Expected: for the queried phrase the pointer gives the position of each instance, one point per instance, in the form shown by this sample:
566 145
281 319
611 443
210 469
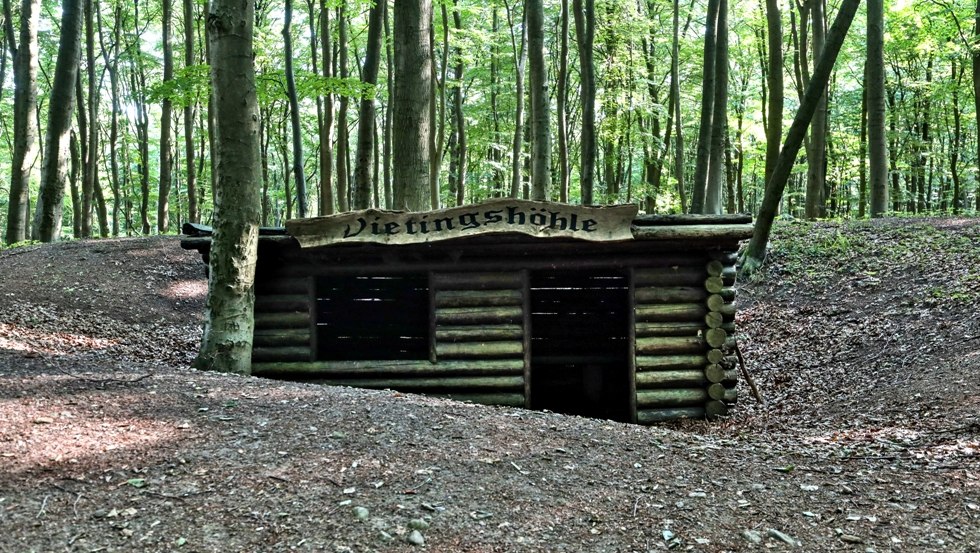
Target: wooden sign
540 219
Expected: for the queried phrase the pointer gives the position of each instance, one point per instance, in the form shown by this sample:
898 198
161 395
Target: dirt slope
863 338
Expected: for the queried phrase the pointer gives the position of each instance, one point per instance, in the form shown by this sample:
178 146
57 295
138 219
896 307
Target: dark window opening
580 344
372 317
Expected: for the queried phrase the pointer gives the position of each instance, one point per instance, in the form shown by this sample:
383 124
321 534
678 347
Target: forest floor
863 338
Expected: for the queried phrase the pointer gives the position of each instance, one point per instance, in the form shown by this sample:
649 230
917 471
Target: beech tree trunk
25 62
564 176
166 124
47 216
411 123
700 185
343 140
193 211
366 119
584 11
229 317
540 108
520 55
297 136
719 117
875 85
774 75
326 146
815 205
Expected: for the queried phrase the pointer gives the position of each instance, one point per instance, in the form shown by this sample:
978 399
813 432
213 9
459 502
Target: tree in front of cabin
229 317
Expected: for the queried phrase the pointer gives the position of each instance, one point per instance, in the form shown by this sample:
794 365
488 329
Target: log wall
478 335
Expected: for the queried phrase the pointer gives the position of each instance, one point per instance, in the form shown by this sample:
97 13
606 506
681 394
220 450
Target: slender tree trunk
875 85
459 122
701 165
229 315
343 144
954 157
520 55
564 174
166 124
753 256
74 170
193 211
25 62
584 11
389 82
366 120
112 67
91 184
326 146
297 136
47 217
540 109
675 92
817 149
775 84
411 124
494 153
863 150
719 119
976 94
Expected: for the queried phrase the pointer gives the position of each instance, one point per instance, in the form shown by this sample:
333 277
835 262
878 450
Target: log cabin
504 303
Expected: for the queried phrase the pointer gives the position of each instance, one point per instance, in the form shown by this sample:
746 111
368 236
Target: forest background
140 136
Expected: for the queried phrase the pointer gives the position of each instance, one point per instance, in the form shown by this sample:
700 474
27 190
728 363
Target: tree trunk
366 120
411 123
91 184
389 83
193 210
863 150
297 136
754 254
459 123
584 11
954 157
675 92
343 144
564 176
25 62
166 124
47 216
875 86
326 146
774 76
520 55
817 149
112 67
229 317
719 119
703 160
540 109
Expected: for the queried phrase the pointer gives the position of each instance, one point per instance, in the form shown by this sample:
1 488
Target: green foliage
188 87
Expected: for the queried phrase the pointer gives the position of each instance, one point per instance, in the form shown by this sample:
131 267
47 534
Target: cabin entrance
580 343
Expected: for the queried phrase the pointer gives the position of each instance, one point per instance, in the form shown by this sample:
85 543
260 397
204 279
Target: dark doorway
372 317
580 344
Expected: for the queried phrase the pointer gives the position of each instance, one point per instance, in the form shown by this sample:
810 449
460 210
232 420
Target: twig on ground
748 377
102 381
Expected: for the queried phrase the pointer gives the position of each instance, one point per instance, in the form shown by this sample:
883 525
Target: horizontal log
678 328
265 354
282 320
727 233
505 400
281 303
715 373
714 409
477 281
478 298
274 284
678 275
445 383
728 257
478 315
674 397
538 360
487 333
670 362
693 219
423 367
724 393
673 345
281 337
670 379
671 312
717 303
649 416
716 337
669 294
479 350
